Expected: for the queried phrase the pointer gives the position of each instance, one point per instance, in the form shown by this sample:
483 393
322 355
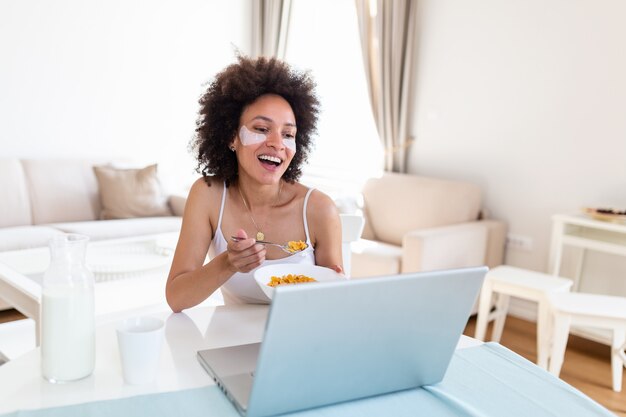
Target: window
324 38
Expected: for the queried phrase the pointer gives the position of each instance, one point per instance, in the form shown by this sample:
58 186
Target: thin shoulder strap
219 219
306 225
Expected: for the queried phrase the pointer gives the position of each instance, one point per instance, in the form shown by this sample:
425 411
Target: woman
254 133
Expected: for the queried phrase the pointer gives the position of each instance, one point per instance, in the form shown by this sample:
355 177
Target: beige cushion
177 204
127 193
398 203
62 190
14 200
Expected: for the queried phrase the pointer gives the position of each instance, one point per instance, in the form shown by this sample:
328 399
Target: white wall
115 78
527 99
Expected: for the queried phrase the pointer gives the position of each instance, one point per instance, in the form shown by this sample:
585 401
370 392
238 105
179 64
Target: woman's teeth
272 159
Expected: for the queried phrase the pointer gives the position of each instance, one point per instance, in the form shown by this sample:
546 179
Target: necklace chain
259 234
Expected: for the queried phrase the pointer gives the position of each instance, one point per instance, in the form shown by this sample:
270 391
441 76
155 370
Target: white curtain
270 27
387 29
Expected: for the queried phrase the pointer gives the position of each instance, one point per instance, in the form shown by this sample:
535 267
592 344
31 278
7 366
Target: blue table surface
487 380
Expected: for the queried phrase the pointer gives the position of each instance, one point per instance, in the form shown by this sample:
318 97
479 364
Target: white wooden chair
351 230
591 310
506 281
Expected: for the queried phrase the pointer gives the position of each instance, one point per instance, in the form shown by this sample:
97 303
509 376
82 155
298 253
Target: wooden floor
10 315
587 364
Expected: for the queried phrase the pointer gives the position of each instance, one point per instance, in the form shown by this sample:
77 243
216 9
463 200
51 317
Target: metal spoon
286 247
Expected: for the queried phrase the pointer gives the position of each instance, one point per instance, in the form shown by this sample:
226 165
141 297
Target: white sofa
40 198
416 223
43 197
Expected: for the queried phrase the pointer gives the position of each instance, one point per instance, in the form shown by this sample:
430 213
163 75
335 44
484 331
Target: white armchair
416 223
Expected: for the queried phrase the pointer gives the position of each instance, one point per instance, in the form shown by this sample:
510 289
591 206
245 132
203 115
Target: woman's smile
269 162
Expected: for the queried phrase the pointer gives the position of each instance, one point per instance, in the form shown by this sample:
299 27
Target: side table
580 231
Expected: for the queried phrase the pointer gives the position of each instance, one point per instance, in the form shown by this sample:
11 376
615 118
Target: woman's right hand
246 254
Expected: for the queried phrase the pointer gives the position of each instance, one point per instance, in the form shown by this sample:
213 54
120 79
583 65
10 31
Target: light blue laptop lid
339 341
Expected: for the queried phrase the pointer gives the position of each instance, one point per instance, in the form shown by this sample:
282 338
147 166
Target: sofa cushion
371 258
15 207
62 189
112 229
177 204
454 246
397 203
25 237
128 193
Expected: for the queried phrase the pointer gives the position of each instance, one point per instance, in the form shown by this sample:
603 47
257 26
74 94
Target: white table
581 231
185 333
130 273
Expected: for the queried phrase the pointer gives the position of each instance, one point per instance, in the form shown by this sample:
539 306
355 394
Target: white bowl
264 274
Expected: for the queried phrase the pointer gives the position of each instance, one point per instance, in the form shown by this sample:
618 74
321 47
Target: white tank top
241 287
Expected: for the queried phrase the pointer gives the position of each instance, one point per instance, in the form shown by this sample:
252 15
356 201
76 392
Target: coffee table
130 273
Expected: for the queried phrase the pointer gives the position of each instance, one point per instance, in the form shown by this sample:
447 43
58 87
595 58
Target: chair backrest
351 230
397 203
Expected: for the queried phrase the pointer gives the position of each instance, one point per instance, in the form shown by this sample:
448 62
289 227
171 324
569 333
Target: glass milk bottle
67 312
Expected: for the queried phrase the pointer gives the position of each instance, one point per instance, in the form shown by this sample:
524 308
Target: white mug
140 340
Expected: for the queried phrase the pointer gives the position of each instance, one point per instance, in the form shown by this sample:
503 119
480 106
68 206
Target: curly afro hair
231 91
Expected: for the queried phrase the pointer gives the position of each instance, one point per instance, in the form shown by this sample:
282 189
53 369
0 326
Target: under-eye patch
250 138
247 137
290 144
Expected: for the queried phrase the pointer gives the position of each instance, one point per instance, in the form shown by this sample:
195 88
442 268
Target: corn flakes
296 246
289 279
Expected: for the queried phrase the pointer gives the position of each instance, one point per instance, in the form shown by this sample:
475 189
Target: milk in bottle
67 312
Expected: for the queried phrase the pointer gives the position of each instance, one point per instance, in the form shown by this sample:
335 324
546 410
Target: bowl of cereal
270 276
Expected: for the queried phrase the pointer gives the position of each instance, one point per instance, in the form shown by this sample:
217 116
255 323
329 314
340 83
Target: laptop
331 342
